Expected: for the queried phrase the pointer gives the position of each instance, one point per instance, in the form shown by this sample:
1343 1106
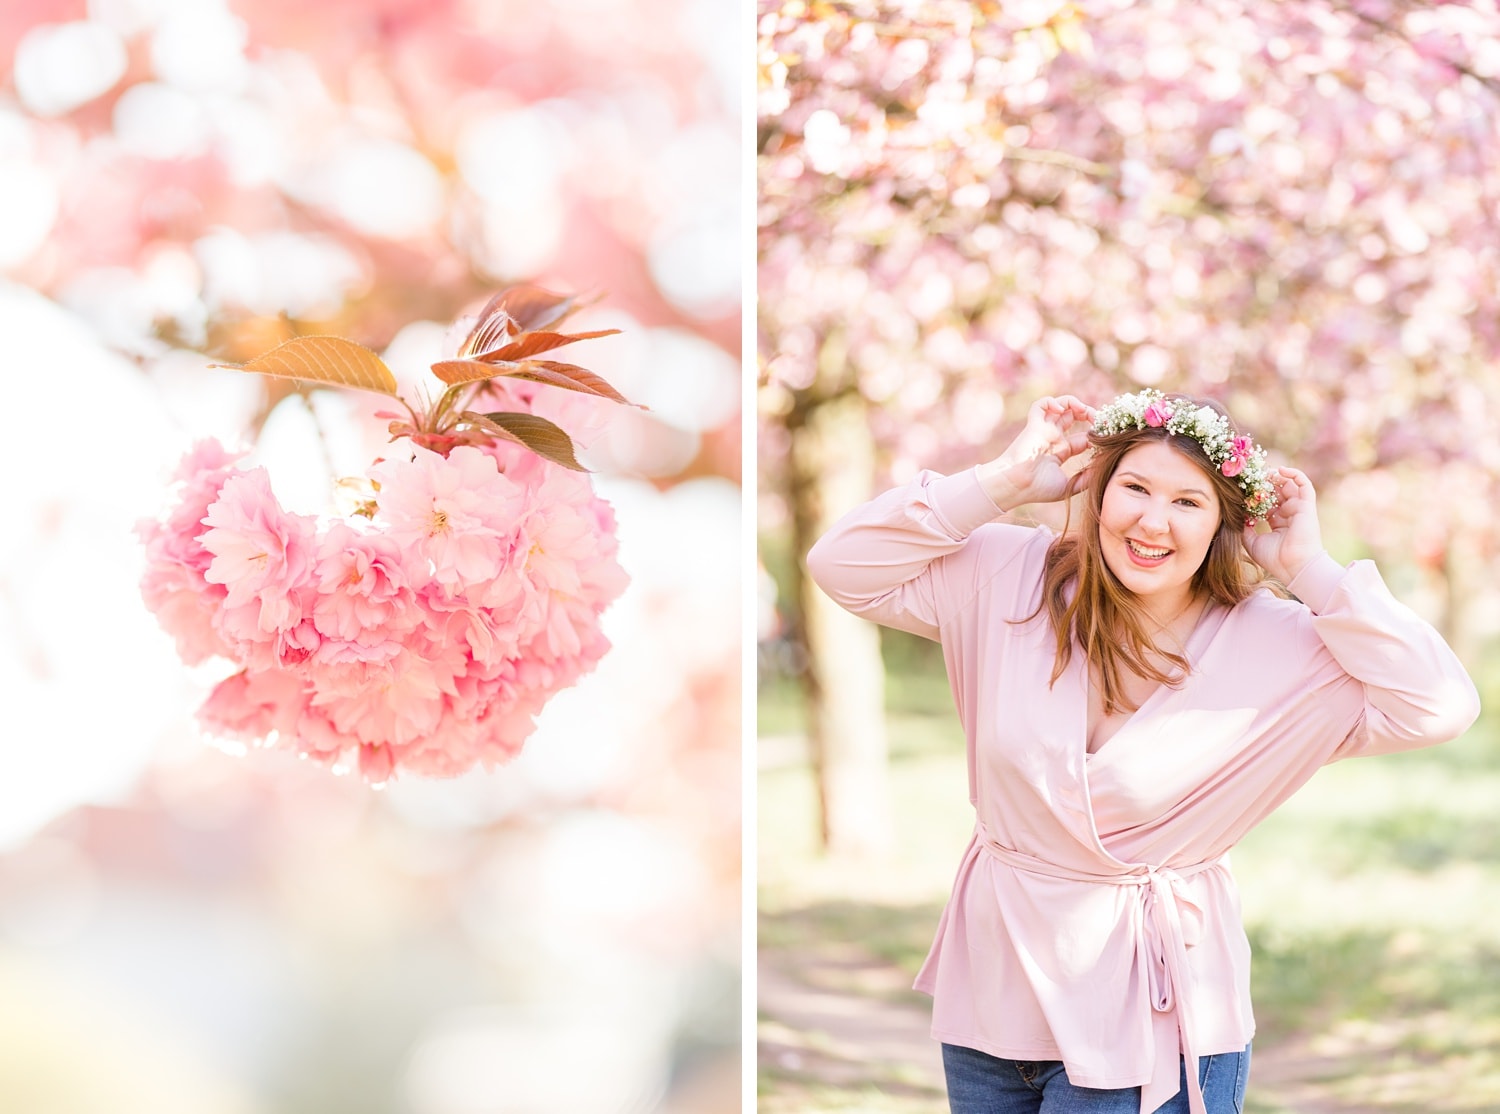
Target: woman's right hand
1030 470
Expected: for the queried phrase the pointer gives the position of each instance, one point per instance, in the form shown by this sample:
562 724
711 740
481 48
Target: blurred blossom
636 442
683 379
60 66
159 122
306 276
63 519
118 307
28 205
824 138
381 187
200 48
521 1061
514 155
604 865
412 351
694 259
247 140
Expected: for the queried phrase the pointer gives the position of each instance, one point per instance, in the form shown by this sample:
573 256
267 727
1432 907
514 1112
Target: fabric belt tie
1172 924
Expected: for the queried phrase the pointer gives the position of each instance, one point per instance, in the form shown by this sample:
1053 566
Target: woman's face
1160 513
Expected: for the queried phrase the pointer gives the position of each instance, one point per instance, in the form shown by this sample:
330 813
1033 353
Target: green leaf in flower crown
332 360
538 434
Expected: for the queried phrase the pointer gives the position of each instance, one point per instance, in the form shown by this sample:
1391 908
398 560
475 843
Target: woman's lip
1145 562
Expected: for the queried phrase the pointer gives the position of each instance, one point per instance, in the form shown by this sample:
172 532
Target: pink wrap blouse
1094 918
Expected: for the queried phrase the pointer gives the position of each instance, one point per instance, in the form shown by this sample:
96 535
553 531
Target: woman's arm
907 558
885 560
1416 691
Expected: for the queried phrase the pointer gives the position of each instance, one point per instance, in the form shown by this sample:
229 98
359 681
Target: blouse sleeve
1416 692
911 557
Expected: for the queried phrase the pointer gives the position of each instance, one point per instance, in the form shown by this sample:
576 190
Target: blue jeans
979 1083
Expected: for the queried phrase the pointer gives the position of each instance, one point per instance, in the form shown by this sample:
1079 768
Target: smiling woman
1137 694
1171 493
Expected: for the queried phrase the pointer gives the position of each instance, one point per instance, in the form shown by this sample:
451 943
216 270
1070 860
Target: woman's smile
1147 556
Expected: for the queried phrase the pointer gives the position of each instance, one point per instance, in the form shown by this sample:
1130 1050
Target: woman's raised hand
1030 470
1295 537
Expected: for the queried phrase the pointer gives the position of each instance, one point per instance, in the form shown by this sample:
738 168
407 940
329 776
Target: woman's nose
1154 516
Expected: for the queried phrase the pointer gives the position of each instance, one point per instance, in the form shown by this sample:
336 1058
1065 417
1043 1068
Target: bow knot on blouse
1171 922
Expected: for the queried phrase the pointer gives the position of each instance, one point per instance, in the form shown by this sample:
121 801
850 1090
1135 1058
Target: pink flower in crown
261 554
454 513
1157 414
1239 452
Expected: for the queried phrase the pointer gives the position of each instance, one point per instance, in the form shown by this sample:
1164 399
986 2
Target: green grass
1369 899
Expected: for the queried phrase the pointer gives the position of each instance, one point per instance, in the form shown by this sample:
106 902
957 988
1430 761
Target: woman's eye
1134 487
1188 502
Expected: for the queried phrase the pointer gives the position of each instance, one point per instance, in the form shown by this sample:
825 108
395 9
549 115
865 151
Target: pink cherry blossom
456 513
254 705
363 594
185 604
425 641
261 554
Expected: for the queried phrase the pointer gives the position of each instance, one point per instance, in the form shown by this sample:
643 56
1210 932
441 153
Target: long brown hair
1102 615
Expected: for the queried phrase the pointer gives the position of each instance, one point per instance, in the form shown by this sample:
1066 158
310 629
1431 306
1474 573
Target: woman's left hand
1295 537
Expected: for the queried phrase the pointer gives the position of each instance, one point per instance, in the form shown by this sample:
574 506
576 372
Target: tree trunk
832 462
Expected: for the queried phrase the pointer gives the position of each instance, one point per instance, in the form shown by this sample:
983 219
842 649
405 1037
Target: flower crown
1236 457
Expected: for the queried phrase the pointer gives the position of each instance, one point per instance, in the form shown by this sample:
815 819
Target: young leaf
569 376
533 308
491 328
457 372
530 344
323 360
538 434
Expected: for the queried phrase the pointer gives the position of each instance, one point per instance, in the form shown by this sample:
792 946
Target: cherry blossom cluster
421 633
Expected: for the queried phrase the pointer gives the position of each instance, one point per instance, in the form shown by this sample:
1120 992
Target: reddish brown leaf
455 372
534 308
530 344
568 376
324 360
542 437
491 328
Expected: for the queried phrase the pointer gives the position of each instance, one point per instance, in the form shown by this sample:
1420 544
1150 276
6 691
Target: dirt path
829 1024
855 1031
